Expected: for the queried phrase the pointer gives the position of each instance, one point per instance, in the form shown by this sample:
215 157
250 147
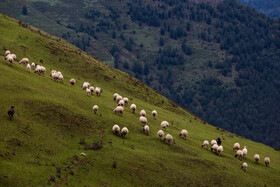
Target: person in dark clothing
11 112
219 141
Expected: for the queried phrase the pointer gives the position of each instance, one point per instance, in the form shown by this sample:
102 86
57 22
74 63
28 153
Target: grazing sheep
142 113
91 89
88 91
205 144
98 91
24 61
115 96
28 67
125 99
169 138
143 120
160 134
266 161
54 75
83 154
95 108
119 109
14 56
215 147
40 70
184 133
239 154
7 53
220 150
72 81
59 73
124 132
236 146
33 65
213 142
219 141
146 129
256 158
245 151
10 59
133 107
116 129
85 85
118 98
154 113
11 112
60 78
121 103
244 166
164 124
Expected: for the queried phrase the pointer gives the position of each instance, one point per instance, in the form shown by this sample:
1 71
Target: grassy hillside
51 118
215 59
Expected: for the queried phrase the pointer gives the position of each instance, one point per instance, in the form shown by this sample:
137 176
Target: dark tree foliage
24 10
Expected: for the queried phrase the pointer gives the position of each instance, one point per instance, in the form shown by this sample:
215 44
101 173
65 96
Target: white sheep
10 59
59 73
54 75
85 85
33 65
115 96
98 91
40 69
236 146
121 103
213 142
205 144
184 133
244 166
125 99
83 154
28 67
118 98
24 61
133 107
116 129
143 120
169 138
142 113
215 147
160 134
91 89
256 158
154 113
95 108
245 152
239 154
88 91
14 56
119 109
220 150
7 52
60 78
72 81
266 161
146 129
124 132
164 124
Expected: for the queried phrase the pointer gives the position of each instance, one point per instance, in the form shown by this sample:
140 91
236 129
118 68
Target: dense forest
220 61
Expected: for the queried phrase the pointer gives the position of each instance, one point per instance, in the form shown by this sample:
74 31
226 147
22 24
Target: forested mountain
269 7
220 61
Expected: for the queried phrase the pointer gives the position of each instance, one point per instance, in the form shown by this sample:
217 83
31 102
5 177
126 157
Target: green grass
51 118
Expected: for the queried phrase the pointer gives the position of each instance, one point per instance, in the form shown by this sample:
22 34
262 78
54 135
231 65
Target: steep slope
220 61
269 7
51 119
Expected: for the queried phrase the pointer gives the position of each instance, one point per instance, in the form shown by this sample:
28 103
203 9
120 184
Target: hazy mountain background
269 7
219 60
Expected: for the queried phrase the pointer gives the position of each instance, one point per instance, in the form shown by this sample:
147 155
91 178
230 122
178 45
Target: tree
161 41
24 10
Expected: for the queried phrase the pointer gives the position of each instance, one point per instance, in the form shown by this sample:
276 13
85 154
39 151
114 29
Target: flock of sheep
121 102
